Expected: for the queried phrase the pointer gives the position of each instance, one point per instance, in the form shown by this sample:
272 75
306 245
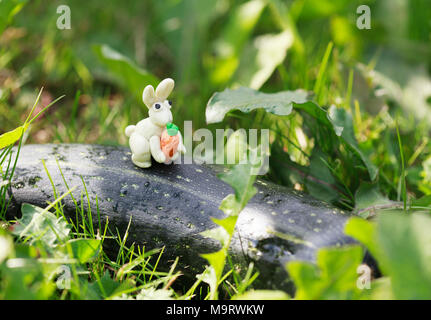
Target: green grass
95 274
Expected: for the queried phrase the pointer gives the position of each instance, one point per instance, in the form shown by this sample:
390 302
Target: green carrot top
172 129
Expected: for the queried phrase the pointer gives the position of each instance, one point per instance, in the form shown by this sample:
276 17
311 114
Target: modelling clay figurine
156 135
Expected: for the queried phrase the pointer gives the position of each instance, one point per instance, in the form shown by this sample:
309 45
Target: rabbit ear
148 96
164 89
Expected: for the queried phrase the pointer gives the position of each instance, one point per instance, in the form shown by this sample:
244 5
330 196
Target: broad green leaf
334 276
341 122
306 279
339 266
37 224
247 100
84 249
10 137
381 289
262 295
209 277
230 205
217 260
227 223
219 234
405 252
125 71
318 113
259 61
8 9
224 232
241 179
365 232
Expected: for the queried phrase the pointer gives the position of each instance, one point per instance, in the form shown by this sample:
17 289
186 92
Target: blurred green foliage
53 258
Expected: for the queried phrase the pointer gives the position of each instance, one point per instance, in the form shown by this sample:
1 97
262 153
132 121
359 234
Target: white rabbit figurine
145 135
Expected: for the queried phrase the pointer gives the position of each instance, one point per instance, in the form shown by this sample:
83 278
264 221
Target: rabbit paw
159 157
175 156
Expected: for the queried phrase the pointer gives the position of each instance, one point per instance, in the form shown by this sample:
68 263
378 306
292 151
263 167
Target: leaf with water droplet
246 100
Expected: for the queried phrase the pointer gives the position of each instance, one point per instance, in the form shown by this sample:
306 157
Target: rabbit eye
170 102
157 106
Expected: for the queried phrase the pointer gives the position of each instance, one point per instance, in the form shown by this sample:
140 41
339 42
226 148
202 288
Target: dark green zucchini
171 205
